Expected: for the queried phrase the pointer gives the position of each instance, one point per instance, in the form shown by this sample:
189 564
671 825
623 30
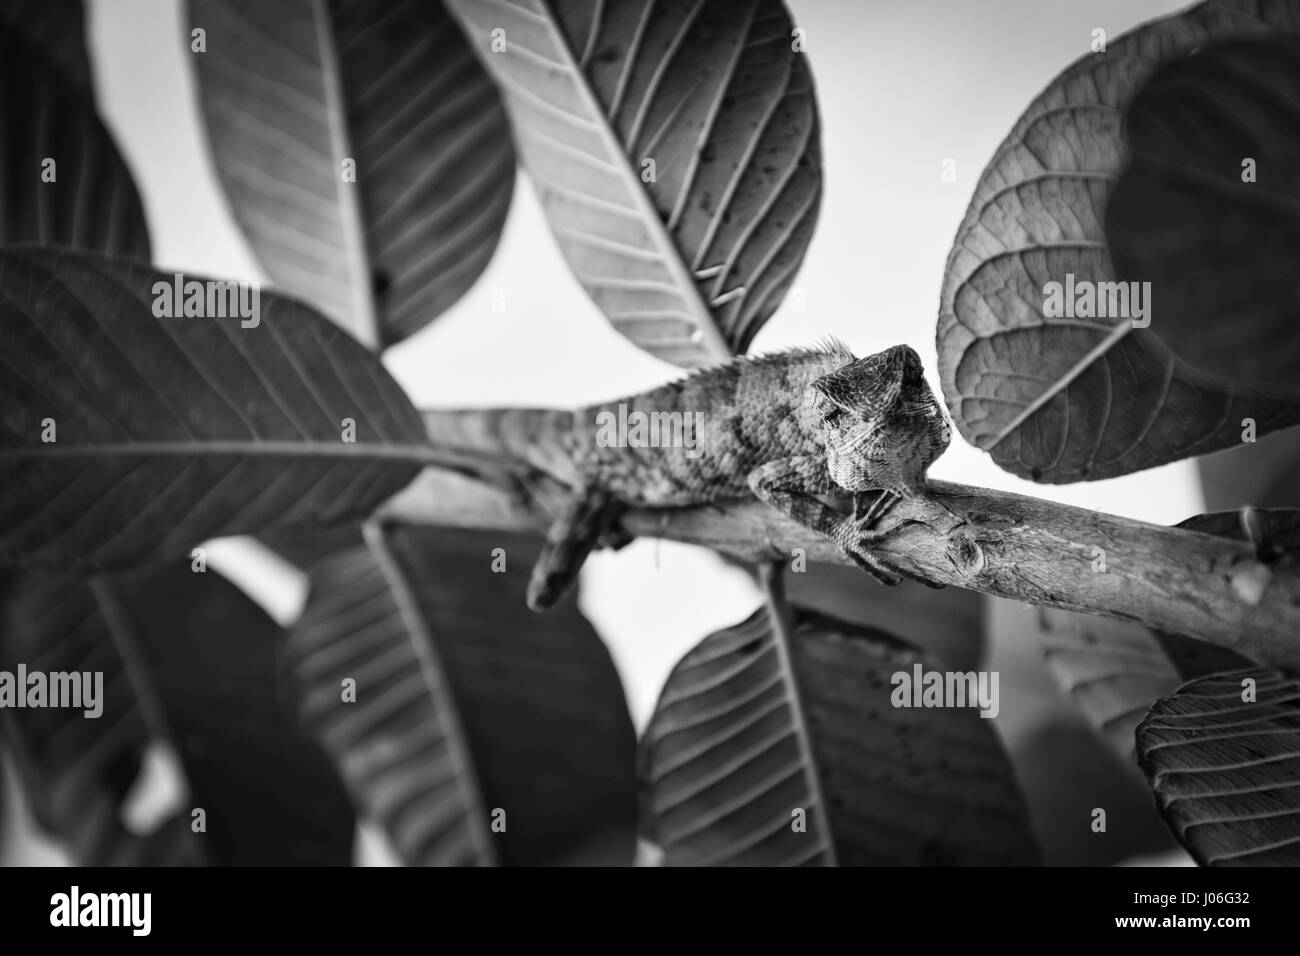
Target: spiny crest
828 346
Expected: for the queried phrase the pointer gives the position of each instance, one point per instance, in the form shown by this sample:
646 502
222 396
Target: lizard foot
857 532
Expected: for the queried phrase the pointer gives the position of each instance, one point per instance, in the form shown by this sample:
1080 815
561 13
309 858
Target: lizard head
882 425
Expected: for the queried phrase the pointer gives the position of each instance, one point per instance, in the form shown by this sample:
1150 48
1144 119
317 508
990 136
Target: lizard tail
541 437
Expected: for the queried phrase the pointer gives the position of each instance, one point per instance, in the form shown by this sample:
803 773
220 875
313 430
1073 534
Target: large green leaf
1069 399
91 202
676 151
189 661
1222 756
290 90
764 720
1218 242
174 430
468 710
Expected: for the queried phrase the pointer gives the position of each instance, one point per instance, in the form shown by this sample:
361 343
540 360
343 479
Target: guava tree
368 153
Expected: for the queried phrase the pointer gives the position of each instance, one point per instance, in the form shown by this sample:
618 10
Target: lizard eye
832 416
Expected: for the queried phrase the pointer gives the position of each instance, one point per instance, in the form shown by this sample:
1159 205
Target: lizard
786 428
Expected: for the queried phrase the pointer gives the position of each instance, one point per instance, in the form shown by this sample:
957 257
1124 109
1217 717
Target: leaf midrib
1084 363
433 672
415 454
364 322
712 341
780 616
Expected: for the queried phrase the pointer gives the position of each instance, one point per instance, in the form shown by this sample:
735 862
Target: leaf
303 544
1113 670
290 90
466 704
1275 534
1280 527
1224 770
76 772
1264 473
947 624
1219 252
1060 400
92 202
174 430
57 28
187 660
676 152
755 724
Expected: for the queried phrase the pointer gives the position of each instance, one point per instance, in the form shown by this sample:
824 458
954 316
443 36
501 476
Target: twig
1012 546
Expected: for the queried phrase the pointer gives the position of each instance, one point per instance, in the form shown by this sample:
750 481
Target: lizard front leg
790 485
590 516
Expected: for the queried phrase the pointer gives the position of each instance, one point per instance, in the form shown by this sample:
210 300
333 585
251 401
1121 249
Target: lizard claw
885 573
858 530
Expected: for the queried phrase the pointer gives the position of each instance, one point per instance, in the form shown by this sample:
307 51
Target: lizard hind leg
590 516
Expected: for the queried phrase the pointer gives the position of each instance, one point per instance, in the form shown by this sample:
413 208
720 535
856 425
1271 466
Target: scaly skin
784 428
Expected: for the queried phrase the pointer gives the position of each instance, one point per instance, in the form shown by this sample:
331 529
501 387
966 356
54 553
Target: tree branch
1008 545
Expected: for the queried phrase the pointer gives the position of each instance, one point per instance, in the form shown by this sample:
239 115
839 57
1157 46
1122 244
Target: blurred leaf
92 202
1194 658
677 155
1280 527
757 722
1223 768
1067 771
290 90
304 544
1070 399
188 660
76 772
947 624
1113 670
1220 253
57 28
466 703
1265 473
171 431
1275 534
